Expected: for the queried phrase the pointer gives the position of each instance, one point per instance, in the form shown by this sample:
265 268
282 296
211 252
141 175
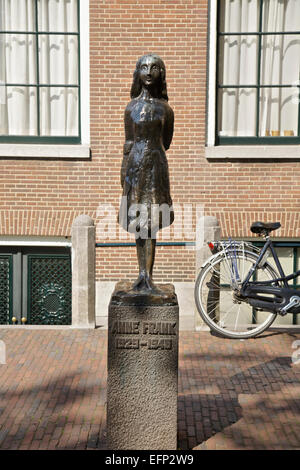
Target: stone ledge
37 327
184 292
44 151
255 152
125 295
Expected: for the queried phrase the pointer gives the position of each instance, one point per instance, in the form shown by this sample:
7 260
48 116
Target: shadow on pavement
210 413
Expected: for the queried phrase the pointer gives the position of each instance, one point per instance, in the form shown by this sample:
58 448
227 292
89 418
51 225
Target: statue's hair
136 86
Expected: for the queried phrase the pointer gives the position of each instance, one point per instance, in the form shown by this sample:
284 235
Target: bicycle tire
222 329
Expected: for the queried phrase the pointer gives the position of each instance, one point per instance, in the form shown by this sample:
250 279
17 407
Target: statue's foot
145 283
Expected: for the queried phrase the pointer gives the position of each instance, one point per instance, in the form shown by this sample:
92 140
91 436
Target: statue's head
150 71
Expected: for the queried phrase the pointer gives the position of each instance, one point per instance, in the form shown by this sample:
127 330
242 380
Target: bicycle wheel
216 300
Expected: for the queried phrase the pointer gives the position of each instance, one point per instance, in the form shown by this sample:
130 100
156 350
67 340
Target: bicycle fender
227 251
210 259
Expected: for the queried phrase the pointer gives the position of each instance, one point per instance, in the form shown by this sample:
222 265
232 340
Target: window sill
44 151
253 152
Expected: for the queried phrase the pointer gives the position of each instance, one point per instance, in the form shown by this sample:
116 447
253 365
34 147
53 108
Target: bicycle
238 293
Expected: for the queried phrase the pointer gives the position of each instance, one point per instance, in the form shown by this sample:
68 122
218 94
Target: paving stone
232 394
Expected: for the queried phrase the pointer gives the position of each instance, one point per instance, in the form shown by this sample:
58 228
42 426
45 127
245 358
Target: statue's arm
168 128
128 142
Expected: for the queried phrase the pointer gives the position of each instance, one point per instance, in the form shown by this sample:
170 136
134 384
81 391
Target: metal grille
5 294
49 284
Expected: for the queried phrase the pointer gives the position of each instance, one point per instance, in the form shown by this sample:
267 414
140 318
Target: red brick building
67 162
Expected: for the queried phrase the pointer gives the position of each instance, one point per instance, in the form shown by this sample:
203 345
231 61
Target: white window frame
81 150
233 152
37 241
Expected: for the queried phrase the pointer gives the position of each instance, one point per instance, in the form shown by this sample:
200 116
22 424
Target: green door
6 288
35 285
49 289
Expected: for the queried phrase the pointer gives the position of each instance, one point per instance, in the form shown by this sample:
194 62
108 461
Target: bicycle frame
283 278
277 298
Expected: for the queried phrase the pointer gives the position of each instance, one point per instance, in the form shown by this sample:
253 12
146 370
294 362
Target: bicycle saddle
260 227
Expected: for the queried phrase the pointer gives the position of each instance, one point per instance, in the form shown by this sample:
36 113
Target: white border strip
85 70
271 152
211 118
47 151
36 243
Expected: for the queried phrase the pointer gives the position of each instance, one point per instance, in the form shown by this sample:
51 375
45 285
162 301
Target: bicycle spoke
237 317
227 313
229 267
222 277
217 290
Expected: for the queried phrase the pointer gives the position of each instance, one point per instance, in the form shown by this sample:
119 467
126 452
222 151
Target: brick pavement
232 394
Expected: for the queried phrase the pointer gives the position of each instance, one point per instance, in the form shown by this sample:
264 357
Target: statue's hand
126 151
123 174
123 169
127 147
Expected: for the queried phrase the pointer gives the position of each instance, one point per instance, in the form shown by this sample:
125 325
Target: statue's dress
147 175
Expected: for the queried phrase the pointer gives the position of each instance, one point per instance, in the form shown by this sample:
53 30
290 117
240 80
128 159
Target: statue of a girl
146 205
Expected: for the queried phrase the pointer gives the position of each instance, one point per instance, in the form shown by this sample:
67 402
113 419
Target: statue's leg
145 255
150 255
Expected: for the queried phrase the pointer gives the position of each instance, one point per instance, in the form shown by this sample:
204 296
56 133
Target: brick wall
43 197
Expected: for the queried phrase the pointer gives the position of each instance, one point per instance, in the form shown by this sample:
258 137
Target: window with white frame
258 67
39 71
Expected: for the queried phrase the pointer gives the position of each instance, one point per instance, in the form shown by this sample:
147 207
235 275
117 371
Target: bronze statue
146 205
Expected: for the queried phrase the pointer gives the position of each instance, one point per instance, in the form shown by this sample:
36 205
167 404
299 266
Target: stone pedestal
210 231
83 272
142 379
